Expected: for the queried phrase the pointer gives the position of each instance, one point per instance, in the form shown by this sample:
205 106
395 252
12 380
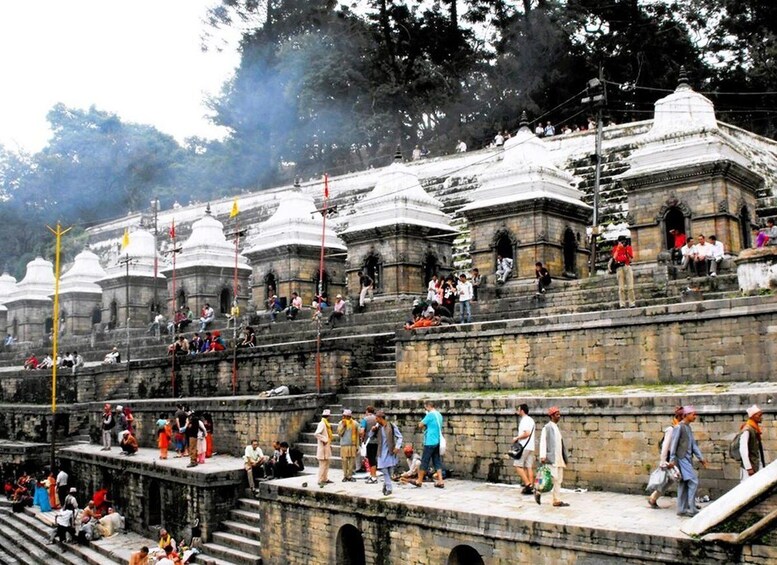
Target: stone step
384 363
335 462
382 372
230 555
249 505
392 380
310 449
238 542
17 554
241 529
205 559
371 389
33 537
247 517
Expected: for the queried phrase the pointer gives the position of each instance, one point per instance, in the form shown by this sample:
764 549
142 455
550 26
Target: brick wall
720 341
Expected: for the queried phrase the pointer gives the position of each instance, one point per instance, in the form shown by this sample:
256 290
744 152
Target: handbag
443 445
516 451
363 449
543 481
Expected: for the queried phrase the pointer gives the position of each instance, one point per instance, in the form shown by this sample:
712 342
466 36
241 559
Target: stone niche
399 235
80 297
205 270
30 309
528 209
128 289
691 176
285 253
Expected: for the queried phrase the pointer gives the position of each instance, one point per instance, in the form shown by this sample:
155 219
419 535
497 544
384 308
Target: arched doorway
181 299
113 315
154 504
431 267
270 286
744 228
48 325
97 315
373 269
504 246
350 546
465 555
15 328
225 301
674 219
570 252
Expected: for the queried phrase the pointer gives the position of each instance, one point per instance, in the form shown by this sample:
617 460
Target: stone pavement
591 510
148 456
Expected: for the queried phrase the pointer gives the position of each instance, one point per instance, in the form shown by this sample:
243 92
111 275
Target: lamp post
596 97
155 210
127 261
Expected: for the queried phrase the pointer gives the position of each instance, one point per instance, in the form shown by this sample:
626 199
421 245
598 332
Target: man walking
366 424
348 430
107 427
623 254
465 292
681 454
324 447
365 285
389 443
751 449
524 465
432 427
554 454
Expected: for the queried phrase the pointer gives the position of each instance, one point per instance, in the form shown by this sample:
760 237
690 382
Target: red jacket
623 254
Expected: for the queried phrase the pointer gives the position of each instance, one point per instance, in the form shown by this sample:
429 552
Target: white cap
326 412
753 410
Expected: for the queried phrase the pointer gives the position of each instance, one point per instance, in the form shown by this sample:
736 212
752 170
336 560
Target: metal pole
321 285
235 310
157 309
55 336
597 181
127 306
175 302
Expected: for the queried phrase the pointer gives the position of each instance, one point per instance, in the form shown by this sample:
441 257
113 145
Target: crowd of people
701 257
69 360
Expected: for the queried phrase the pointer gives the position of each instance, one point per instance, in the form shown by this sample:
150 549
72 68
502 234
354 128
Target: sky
140 59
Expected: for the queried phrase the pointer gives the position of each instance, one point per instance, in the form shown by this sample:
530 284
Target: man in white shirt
525 464
686 252
253 459
700 252
504 268
751 450
715 256
62 479
464 290
461 147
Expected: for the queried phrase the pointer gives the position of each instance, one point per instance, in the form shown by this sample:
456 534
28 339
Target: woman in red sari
208 420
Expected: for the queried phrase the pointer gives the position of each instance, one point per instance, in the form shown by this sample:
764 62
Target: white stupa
141 252
7 286
37 284
685 133
296 221
207 246
83 275
398 198
526 172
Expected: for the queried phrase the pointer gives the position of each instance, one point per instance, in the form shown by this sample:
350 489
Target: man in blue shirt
432 426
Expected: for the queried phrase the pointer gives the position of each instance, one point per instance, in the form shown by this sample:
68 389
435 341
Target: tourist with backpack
747 446
663 461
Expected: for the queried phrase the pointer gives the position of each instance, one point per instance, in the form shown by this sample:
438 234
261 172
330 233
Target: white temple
38 282
83 275
140 252
208 246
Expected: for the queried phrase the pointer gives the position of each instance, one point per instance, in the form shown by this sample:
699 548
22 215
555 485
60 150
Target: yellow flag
125 239
234 211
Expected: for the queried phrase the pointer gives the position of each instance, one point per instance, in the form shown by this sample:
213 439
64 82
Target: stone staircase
24 539
239 542
381 375
307 441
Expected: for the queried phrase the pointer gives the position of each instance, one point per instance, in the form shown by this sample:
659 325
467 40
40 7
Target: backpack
733 447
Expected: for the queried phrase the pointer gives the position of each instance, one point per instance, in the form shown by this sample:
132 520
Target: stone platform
429 525
151 492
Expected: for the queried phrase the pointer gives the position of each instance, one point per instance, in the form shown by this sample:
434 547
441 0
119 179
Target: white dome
38 282
398 198
683 110
83 274
526 172
296 221
208 246
7 286
140 252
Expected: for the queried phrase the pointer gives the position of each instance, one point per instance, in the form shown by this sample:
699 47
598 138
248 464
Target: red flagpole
321 284
175 298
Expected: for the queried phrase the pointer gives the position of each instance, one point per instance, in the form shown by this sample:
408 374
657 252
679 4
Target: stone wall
32 423
613 441
34 387
236 421
714 341
300 526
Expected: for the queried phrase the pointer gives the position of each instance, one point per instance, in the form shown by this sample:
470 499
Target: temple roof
38 282
527 171
83 274
398 198
140 252
7 286
207 246
297 221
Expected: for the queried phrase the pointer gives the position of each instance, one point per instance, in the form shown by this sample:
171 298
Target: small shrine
80 297
398 235
7 285
691 176
205 270
285 253
30 312
528 209
129 285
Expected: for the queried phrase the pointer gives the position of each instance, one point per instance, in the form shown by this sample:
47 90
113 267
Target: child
164 434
